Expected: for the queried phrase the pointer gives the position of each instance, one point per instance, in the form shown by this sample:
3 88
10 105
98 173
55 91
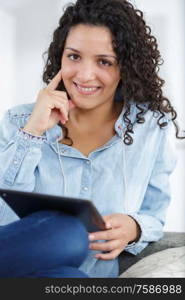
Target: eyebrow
99 55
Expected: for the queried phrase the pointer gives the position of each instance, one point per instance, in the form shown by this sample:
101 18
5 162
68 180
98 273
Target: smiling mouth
90 90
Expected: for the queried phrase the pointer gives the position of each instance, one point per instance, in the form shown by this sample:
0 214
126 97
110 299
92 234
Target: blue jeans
44 244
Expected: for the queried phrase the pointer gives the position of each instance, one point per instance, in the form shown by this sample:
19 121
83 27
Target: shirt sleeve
152 213
20 154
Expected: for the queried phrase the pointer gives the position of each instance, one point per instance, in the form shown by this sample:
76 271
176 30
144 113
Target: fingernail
91 237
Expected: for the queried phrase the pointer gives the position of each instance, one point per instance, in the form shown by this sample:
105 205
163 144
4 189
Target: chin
83 106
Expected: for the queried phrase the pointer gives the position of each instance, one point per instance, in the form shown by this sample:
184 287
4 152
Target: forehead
87 37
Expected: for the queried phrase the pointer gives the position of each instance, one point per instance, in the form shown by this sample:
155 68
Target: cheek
112 81
67 69
67 72
110 78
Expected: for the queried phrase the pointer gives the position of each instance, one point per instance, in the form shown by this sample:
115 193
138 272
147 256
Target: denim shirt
117 178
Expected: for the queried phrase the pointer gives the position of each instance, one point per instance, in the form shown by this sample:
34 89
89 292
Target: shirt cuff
24 142
137 247
30 138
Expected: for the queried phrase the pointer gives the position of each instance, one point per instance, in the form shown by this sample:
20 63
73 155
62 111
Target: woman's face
90 69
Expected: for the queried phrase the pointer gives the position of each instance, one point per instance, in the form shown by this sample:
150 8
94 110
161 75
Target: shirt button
87 162
85 188
15 162
25 137
63 151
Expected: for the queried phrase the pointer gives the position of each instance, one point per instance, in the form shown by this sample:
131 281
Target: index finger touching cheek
55 81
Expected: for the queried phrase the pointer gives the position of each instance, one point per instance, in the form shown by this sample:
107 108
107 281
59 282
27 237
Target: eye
73 56
105 62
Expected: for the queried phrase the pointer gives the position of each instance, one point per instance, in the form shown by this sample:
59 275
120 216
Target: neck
96 117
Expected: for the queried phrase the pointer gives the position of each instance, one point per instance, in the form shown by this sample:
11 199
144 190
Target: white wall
7 59
26 28
25 32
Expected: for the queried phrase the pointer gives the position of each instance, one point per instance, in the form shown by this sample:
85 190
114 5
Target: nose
86 72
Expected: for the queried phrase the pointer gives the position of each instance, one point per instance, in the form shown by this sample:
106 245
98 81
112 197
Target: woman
99 131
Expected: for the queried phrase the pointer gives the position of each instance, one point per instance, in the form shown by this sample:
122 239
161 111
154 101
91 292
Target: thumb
114 220
107 220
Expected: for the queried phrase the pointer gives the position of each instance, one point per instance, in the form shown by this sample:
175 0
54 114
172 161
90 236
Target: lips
86 90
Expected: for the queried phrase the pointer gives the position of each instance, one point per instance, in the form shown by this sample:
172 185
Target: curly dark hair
137 52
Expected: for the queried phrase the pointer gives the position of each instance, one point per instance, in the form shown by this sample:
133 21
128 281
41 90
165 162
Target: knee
70 239
62 238
77 243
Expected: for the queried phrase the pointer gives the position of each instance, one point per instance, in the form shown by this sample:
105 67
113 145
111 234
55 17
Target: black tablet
25 203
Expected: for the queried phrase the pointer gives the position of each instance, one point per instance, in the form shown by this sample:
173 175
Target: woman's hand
121 229
52 106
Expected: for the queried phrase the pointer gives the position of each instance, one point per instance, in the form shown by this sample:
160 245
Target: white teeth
89 89
86 89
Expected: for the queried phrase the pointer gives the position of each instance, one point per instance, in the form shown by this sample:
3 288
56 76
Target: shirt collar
120 123
56 132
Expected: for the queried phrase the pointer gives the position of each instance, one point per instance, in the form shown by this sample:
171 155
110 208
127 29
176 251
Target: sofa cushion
169 240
